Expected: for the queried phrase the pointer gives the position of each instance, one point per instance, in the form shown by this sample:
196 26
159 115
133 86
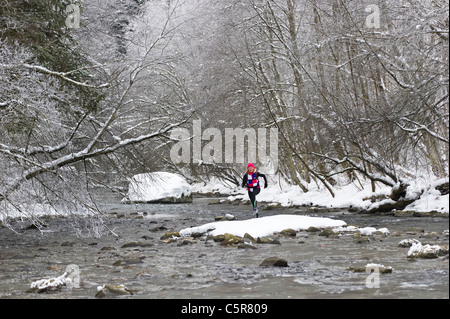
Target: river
318 267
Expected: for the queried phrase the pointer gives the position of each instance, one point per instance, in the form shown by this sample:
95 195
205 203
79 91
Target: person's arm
244 180
265 179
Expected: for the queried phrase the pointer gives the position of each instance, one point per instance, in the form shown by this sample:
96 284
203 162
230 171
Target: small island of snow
263 227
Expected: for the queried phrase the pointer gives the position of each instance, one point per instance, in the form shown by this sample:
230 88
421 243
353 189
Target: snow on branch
362 169
61 75
86 153
420 127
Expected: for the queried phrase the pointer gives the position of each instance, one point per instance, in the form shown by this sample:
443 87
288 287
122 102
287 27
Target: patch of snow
365 231
408 242
263 227
52 282
149 187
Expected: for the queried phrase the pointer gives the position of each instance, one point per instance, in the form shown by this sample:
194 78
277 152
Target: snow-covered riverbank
354 195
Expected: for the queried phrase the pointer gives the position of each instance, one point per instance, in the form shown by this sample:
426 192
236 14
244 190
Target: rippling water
318 266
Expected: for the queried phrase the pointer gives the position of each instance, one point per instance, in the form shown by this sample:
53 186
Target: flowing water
318 267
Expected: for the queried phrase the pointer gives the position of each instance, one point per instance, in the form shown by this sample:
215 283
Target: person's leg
252 197
256 192
253 200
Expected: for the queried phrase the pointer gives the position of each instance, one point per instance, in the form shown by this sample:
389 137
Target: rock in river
108 290
274 262
135 244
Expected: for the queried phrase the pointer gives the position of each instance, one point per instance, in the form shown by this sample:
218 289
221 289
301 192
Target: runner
251 181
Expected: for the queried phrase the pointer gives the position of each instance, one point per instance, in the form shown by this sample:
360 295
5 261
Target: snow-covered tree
60 123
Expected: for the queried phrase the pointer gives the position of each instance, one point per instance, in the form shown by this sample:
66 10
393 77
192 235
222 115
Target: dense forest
92 91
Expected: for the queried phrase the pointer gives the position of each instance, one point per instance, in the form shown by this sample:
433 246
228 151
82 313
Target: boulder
288 232
170 235
219 238
230 239
327 233
313 229
268 240
249 237
109 290
274 262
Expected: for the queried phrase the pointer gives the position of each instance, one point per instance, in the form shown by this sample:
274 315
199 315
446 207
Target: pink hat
250 165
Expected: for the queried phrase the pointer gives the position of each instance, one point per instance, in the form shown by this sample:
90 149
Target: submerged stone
274 262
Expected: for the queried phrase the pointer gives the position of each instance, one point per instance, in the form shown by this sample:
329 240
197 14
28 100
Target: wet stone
274 262
135 244
129 261
170 235
268 240
288 232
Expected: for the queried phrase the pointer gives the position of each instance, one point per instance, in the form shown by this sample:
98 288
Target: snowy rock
50 285
365 231
418 250
158 187
408 242
378 267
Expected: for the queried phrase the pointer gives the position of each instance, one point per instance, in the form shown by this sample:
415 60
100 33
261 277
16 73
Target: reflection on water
318 266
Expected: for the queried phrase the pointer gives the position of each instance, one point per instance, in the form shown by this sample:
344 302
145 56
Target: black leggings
253 194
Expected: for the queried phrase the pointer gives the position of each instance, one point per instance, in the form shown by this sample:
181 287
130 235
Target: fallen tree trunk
389 206
399 198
